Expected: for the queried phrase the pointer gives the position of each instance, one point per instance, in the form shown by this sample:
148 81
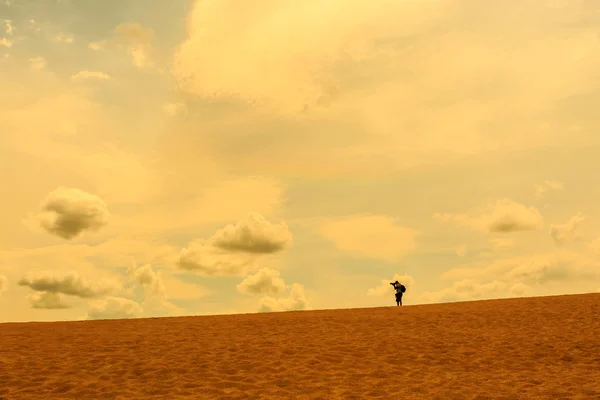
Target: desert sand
527 348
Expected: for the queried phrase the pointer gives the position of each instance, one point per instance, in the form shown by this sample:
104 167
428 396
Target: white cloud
8 27
562 233
541 190
253 234
68 213
296 300
173 109
518 289
385 289
69 283
47 300
503 217
96 45
95 75
265 281
65 38
37 63
4 42
201 257
114 308
371 236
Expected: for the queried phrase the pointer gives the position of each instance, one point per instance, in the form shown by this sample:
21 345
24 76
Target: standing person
400 289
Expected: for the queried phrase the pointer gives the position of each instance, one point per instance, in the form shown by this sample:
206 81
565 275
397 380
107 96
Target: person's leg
397 303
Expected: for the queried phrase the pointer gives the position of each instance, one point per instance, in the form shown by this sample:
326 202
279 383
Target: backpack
402 288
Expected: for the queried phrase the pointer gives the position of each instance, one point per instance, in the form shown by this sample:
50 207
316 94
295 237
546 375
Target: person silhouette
400 289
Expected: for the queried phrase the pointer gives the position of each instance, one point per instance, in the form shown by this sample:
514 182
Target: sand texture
532 348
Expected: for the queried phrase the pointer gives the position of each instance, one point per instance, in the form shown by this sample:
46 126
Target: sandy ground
533 348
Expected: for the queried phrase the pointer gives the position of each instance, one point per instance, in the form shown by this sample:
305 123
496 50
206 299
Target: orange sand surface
531 348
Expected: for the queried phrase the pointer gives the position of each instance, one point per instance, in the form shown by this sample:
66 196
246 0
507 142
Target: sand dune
533 348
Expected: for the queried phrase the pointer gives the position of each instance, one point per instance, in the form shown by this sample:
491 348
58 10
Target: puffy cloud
540 190
4 42
204 258
136 40
37 63
156 301
290 49
503 217
173 109
254 234
114 308
385 288
70 283
68 213
296 300
3 283
518 289
65 38
94 75
8 27
265 281
371 236
562 233
47 300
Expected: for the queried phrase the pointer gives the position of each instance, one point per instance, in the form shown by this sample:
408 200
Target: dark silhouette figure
400 289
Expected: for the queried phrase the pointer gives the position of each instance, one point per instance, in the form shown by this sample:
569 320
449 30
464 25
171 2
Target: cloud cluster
296 300
370 236
50 286
68 213
114 308
504 216
561 233
265 281
541 190
235 249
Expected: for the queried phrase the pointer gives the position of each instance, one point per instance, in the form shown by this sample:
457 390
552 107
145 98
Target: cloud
265 281
96 45
47 300
296 300
114 308
499 244
253 234
4 42
156 301
540 190
562 233
173 109
8 27
291 49
503 217
68 213
95 75
385 289
65 38
70 283
464 290
537 269
202 257
136 40
37 63
370 236
518 289
3 283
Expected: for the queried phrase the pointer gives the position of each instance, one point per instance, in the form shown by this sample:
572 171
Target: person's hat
396 282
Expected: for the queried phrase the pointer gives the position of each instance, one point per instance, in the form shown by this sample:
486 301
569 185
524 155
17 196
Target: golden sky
222 156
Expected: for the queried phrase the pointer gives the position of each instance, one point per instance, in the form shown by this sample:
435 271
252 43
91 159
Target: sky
221 157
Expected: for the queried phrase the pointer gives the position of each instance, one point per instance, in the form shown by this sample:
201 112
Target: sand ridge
529 348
